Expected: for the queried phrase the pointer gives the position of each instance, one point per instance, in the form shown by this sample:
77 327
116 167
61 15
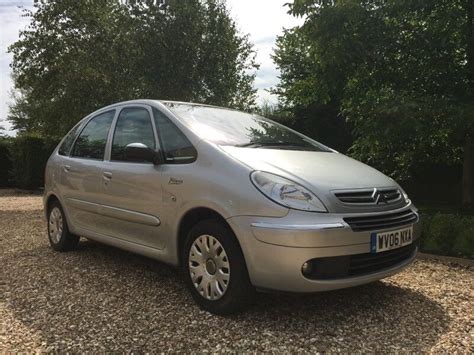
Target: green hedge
29 154
5 162
448 234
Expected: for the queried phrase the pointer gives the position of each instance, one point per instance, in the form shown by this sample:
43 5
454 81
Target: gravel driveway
101 298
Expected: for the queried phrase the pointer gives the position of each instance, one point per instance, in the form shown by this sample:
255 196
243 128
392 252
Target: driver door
131 197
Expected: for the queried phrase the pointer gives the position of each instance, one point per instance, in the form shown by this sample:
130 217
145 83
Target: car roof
152 101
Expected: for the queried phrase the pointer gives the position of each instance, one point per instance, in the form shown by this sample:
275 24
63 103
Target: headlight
286 192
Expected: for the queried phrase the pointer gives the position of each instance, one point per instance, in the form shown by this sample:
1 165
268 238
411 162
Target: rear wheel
60 238
214 269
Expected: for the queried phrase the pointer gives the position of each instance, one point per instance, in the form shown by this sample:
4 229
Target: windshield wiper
257 144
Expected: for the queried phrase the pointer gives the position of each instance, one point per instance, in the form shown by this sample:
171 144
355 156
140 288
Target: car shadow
106 298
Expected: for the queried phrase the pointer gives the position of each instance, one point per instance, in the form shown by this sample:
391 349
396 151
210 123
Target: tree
191 51
73 58
399 72
77 56
310 90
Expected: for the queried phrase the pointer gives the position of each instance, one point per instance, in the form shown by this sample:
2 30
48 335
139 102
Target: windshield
235 128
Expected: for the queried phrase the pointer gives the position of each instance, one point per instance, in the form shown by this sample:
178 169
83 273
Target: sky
263 20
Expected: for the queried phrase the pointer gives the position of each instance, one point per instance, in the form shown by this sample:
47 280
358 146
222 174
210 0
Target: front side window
133 126
230 127
66 145
92 141
175 146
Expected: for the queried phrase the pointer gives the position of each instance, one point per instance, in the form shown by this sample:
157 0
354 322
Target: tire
59 236
211 291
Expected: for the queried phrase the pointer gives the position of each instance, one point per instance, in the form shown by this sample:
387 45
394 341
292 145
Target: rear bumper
276 248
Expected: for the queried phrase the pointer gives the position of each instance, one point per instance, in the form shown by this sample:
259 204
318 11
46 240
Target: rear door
80 179
131 198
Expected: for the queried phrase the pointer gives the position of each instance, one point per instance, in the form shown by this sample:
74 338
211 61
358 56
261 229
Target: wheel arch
48 201
190 219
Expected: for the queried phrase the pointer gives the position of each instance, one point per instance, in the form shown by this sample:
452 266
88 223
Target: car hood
321 172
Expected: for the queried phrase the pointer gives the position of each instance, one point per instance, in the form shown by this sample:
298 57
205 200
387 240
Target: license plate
384 241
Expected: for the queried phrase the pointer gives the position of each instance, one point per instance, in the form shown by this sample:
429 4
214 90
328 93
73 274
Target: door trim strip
115 212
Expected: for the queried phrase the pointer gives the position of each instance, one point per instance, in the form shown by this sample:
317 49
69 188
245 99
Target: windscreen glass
235 128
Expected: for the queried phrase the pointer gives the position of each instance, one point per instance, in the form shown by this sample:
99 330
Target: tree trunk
468 173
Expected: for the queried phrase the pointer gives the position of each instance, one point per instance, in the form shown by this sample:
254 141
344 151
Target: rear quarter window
92 141
68 141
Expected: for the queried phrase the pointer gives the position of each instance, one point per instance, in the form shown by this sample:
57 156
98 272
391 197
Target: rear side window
66 145
92 141
177 149
133 126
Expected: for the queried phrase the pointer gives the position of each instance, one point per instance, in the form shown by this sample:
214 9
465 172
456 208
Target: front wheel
214 269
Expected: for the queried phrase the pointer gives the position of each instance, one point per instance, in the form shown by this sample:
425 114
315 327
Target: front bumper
276 248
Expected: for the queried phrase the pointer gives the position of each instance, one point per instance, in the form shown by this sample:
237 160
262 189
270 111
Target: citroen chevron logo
379 197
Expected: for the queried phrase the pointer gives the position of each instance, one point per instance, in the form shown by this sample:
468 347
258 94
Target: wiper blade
256 144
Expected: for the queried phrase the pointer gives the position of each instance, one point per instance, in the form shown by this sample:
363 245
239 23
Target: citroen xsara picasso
238 201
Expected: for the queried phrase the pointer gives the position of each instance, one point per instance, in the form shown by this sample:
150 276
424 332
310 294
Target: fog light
307 268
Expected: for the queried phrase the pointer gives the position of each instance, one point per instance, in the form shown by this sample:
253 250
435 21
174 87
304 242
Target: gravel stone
99 298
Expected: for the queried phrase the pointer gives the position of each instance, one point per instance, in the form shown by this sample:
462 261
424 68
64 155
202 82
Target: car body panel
274 257
80 188
320 172
131 202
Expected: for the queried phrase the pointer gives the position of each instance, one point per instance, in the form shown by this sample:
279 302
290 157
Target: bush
464 244
29 154
448 234
5 162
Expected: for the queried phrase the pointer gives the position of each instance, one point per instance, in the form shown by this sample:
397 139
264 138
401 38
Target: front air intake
381 221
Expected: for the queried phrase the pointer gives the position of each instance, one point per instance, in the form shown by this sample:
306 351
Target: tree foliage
400 72
77 56
310 89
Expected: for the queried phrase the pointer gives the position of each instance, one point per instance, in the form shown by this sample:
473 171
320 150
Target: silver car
240 202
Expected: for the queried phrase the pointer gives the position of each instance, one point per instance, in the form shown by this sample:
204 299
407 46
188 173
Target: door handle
67 168
107 175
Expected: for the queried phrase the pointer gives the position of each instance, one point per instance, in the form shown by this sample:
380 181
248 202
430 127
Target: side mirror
139 152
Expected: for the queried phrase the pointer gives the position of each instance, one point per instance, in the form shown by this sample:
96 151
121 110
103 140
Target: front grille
338 267
375 196
381 221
